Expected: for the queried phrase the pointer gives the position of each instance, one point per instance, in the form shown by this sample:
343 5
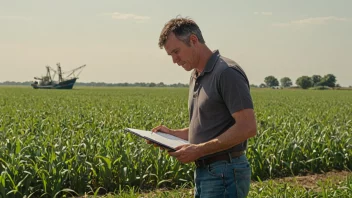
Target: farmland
57 142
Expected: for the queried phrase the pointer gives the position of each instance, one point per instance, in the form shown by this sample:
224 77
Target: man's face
181 53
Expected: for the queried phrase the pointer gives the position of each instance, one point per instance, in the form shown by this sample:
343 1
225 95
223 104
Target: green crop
71 142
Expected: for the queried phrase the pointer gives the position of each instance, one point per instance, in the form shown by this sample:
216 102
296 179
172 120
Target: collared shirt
220 90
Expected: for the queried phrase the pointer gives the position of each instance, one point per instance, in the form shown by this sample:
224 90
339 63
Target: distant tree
304 82
316 80
262 85
328 80
286 82
271 81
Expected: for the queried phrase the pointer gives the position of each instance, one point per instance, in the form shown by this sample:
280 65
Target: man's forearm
181 133
233 136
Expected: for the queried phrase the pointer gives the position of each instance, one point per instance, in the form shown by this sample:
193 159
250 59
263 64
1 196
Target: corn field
71 142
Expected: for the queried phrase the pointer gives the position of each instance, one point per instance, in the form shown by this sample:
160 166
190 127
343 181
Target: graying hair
183 28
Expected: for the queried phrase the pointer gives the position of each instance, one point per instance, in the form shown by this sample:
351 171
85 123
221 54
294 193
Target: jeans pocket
217 170
242 175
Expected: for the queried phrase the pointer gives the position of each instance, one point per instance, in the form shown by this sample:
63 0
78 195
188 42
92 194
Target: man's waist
221 157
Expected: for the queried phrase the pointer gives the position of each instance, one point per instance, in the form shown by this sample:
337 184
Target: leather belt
224 156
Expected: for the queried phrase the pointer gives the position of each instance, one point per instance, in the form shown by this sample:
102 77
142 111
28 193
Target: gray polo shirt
219 91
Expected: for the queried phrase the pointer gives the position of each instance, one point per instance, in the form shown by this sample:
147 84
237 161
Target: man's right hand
160 128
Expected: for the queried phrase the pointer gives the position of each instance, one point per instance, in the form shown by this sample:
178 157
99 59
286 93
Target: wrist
172 132
201 150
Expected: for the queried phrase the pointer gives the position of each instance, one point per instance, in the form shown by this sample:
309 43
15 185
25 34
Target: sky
118 40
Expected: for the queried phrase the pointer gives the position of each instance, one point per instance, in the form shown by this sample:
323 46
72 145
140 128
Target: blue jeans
223 179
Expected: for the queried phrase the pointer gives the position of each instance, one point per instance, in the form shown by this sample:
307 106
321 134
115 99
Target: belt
224 156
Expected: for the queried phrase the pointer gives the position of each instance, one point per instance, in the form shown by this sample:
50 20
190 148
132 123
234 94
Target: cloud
312 21
319 20
263 13
19 18
124 16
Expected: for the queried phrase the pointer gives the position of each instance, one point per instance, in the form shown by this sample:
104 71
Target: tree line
125 84
103 84
304 82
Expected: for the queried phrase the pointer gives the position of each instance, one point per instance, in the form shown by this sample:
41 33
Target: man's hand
160 128
187 153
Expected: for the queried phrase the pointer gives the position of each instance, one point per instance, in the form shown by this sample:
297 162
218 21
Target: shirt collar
209 66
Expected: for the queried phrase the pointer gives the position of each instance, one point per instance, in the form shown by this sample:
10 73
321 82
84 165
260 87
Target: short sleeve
234 90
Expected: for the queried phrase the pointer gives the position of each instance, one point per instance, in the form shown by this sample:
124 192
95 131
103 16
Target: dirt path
312 181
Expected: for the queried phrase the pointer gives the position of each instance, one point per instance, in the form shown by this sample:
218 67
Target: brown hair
182 28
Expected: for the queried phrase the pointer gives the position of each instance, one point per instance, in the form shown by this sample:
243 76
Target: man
220 111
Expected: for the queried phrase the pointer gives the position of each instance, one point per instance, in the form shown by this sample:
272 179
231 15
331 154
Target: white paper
160 138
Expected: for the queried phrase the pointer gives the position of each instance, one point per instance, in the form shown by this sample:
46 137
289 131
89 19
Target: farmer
220 112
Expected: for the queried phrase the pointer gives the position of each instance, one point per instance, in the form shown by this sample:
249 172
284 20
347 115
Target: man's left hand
186 153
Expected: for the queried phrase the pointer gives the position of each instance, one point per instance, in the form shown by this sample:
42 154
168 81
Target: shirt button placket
196 87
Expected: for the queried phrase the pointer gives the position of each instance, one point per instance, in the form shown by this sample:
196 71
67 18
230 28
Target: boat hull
67 84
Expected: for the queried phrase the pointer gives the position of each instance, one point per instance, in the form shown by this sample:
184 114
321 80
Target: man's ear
193 39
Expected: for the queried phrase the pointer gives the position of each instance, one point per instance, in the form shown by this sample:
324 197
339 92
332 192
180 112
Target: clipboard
168 141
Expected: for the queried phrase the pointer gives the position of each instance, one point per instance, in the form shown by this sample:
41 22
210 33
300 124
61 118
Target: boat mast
48 73
59 71
72 72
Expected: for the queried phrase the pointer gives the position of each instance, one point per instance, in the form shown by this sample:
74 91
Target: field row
56 141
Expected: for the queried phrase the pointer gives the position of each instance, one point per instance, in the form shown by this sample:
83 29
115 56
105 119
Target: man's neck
204 55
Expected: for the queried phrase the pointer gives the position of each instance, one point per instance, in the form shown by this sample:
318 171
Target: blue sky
118 40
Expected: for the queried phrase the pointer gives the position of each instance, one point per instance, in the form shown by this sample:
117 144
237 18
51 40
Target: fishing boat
48 81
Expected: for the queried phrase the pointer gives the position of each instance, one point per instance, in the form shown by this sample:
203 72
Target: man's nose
174 59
